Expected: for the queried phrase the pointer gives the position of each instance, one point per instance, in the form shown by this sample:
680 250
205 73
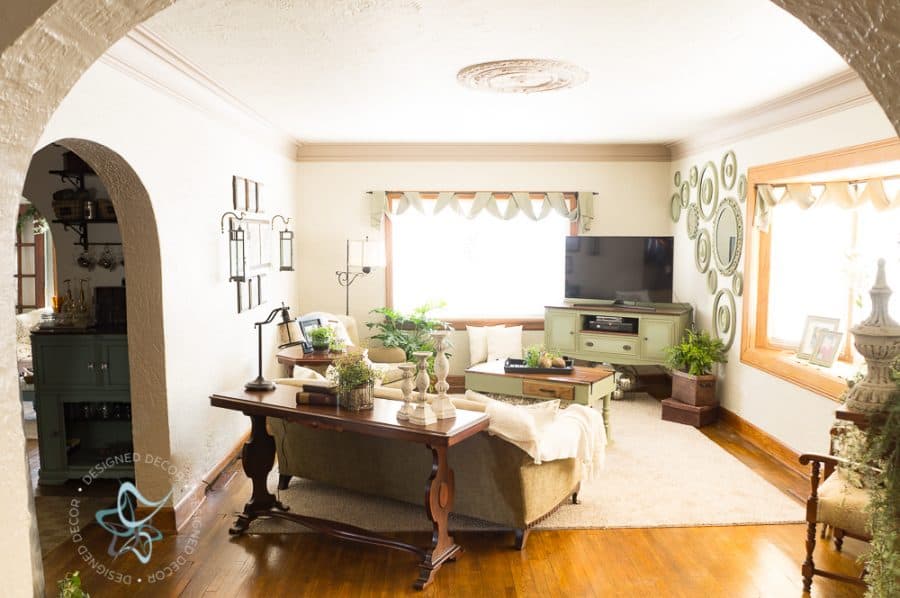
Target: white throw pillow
504 342
478 350
304 373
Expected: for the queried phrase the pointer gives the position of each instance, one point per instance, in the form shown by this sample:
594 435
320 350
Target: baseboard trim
171 520
763 441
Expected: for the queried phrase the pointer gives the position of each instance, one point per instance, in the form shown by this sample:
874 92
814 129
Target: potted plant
355 378
321 338
411 332
692 361
70 586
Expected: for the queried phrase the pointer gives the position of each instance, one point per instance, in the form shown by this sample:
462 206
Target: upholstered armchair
836 503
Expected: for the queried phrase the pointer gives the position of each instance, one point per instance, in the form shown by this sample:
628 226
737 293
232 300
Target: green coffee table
585 386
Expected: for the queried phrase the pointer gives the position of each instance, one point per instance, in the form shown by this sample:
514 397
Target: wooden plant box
693 415
694 390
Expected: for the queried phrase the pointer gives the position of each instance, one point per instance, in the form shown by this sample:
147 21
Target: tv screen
619 269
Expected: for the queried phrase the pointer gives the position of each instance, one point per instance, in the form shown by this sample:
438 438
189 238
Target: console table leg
257 459
438 505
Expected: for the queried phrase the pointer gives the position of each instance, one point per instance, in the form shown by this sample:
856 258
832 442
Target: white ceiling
385 70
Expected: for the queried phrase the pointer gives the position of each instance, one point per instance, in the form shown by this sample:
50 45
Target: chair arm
831 462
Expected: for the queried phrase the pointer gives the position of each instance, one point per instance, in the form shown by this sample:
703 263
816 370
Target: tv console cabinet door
657 334
560 330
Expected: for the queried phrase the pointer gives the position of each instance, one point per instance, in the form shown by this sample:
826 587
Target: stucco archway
46 45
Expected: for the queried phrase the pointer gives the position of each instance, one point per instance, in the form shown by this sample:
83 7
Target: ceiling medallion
523 75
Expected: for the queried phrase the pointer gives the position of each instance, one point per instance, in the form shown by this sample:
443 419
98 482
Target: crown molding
833 94
147 58
482 152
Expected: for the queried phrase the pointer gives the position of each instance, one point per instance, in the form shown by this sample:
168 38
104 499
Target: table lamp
260 383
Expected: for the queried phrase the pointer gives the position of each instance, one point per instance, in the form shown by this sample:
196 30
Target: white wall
185 160
797 417
333 207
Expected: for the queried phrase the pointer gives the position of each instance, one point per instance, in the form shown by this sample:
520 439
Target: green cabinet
657 334
559 330
83 404
617 335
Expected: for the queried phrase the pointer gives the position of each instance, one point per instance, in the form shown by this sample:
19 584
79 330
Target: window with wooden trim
818 260
30 263
484 267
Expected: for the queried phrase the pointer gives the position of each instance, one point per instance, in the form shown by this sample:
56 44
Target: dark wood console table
258 457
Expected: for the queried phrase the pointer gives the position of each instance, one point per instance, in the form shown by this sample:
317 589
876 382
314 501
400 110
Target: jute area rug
657 474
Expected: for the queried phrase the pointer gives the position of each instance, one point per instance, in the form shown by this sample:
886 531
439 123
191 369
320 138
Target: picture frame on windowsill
827 349
815 327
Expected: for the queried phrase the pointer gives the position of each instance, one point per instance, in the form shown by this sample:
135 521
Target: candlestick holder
443 408
406 388
422 414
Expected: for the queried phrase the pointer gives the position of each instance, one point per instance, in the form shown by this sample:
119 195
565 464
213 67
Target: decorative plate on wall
685 194
737 284
702 251
712 280
693 221
708 198
742 187
676 207
729 169
678 178
694 176
728 236
724 317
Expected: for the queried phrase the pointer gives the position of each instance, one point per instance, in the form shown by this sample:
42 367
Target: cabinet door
65 362
656 335
559 330
114 364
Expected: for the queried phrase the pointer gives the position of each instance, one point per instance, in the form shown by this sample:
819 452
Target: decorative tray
517 366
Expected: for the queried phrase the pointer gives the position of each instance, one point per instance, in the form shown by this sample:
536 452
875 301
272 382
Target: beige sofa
495 480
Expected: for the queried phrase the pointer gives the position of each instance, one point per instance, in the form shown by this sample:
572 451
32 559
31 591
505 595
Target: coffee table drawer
548 390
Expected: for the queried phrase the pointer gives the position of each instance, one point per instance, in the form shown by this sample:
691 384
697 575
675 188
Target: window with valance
486 254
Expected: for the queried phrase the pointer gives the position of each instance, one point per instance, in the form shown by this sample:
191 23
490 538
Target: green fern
696 353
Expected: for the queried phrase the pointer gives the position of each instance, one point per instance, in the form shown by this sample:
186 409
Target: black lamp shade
238 260
286 250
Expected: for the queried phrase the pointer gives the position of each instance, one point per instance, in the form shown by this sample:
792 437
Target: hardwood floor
738 561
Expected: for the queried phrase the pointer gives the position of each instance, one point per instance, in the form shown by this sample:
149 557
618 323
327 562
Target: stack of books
318 392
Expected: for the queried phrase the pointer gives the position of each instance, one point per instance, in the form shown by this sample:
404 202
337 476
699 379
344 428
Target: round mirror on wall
728 236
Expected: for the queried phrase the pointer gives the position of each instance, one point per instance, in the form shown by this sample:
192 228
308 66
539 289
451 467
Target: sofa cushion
478 349
504 342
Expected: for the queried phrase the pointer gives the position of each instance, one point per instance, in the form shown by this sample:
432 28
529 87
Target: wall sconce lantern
285 245
237 262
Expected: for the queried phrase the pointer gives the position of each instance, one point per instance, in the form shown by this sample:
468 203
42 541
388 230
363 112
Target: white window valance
486 202
882 193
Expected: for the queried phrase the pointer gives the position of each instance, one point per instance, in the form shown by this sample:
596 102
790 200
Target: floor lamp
363 256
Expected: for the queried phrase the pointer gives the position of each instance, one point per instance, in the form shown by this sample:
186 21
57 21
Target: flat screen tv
629 270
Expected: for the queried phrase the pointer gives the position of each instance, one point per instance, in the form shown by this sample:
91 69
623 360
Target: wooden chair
836 503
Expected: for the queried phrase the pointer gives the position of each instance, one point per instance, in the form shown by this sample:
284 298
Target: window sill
828 382
526 323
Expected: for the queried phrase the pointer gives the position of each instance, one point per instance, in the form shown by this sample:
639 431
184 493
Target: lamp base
259 383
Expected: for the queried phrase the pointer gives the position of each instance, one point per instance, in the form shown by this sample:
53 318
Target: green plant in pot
692 361
321 338
70 586
355 378
410 332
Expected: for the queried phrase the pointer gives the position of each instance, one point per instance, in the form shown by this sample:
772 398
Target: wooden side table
317 360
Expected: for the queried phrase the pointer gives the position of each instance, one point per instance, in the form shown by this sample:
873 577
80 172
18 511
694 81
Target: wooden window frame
460 323
39 267
756 351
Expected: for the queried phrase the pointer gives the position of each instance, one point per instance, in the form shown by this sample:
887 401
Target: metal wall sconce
285 245
362 255
237 256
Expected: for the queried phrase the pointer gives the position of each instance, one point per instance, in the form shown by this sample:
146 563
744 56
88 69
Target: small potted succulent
355 378
692 362
321 338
